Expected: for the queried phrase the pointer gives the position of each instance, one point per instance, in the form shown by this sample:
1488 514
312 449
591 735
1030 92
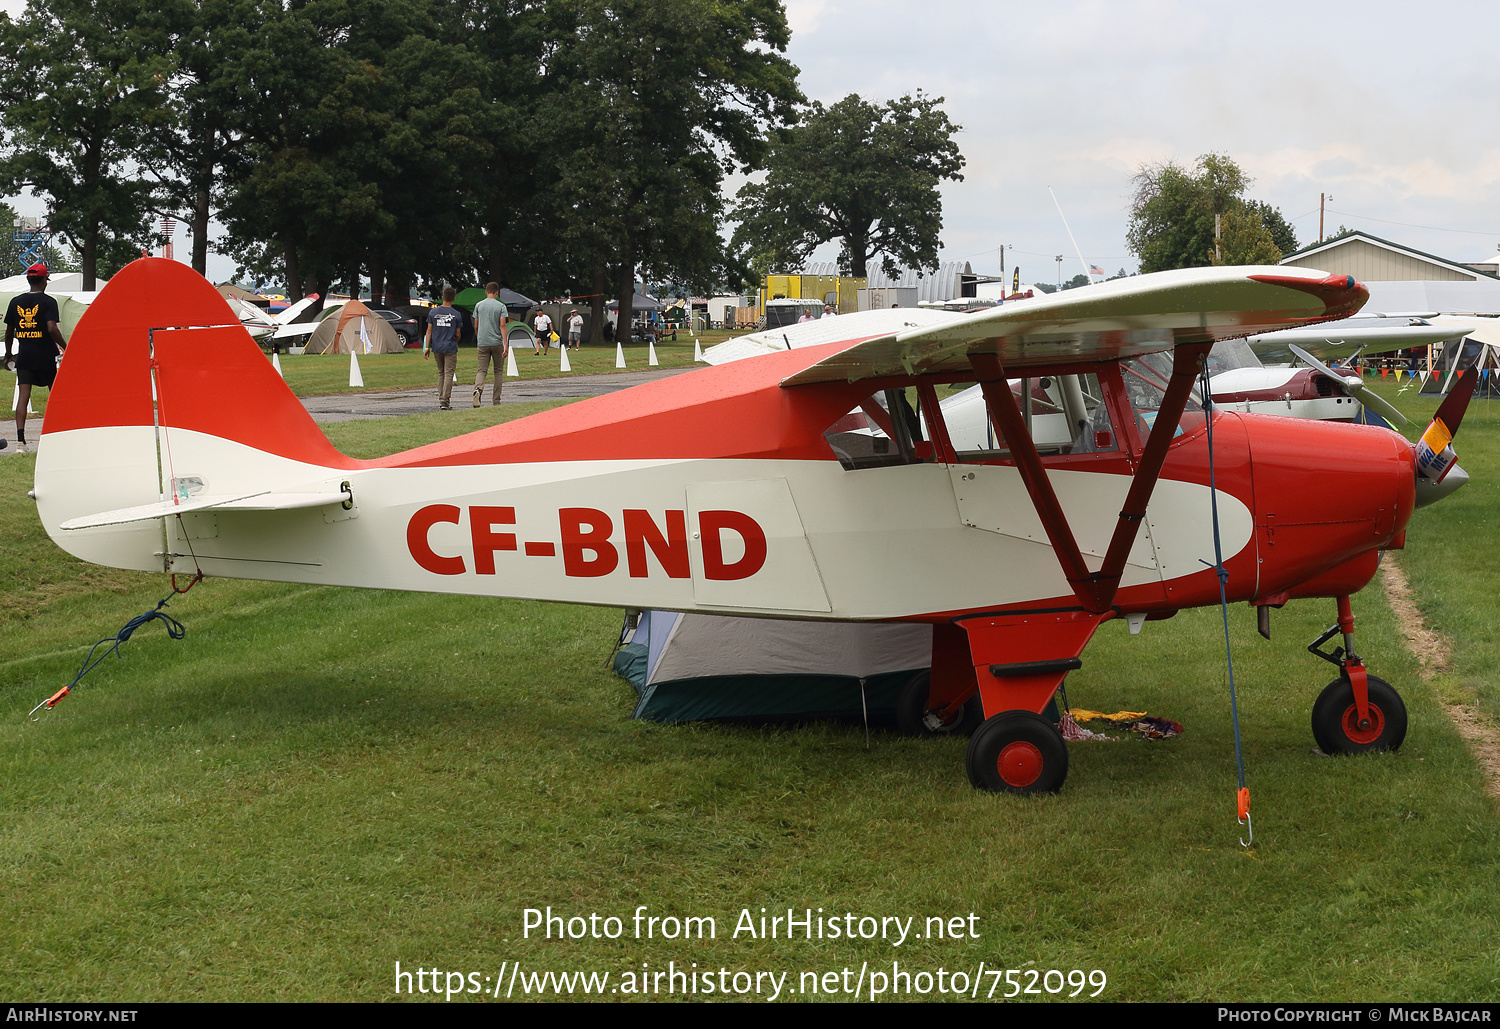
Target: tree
861 173
1190 218
216 44
81 88
648 104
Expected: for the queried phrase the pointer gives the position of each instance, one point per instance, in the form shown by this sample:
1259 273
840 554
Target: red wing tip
1342 295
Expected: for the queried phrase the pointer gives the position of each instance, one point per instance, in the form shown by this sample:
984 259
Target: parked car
409 328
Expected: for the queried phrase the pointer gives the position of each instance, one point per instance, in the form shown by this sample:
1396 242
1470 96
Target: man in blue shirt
489 332
443 326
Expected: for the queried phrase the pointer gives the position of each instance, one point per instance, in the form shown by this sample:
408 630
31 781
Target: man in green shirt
489 330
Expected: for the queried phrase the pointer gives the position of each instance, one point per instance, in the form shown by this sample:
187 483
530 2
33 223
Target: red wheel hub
1370 733
1020 764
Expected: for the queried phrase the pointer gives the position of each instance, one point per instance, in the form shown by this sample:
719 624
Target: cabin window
1146 381
1065 414
884 430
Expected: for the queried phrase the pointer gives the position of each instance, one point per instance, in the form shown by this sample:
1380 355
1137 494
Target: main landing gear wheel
914 718
1335 718
1017 752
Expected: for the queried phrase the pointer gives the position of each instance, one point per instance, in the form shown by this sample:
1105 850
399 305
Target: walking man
489 330
575 329
443 325
31 320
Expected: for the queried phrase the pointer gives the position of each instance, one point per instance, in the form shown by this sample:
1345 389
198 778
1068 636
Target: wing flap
1119 319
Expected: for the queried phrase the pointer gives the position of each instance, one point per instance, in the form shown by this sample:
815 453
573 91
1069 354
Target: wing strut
1095 590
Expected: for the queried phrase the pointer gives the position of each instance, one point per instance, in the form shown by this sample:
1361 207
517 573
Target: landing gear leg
1017 663
1357 712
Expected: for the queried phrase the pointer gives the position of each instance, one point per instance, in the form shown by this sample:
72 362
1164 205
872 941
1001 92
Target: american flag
1094 269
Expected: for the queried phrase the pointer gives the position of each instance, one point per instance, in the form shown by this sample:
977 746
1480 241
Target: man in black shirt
31 320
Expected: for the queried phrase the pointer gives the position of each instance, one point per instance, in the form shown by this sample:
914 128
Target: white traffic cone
565 366
619 355
697 351
355 378
510 364
651 360
276 363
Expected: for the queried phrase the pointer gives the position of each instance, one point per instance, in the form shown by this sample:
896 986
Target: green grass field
318 783
321 375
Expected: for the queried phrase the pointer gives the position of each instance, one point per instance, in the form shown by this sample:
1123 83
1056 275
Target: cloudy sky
1390 108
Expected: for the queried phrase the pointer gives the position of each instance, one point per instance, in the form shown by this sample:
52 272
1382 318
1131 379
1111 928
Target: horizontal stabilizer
265 500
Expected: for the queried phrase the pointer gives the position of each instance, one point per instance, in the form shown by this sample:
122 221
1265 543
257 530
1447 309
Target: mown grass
1450 556
317 783
320 375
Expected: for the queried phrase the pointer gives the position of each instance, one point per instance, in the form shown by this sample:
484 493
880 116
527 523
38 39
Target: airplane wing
286 317
843 328
1475 327
1336 343
1119 319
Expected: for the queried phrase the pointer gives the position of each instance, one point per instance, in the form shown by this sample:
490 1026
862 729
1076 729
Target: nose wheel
1017 752
1339 728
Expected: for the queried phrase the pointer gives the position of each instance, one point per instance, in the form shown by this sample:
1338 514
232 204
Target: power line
1412 225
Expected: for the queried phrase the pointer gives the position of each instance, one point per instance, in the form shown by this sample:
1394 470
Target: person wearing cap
575 329
489 330
31 320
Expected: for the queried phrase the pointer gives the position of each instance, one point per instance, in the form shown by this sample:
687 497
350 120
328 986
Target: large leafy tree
215 45
859 172
1194 217
648 103
82 86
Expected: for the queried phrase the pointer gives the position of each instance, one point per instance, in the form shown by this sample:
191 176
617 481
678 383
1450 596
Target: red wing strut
1095 590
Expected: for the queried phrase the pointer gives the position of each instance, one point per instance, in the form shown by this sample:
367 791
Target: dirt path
1432 652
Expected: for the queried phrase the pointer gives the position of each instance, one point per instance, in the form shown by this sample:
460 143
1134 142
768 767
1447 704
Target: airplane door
748 548
992 497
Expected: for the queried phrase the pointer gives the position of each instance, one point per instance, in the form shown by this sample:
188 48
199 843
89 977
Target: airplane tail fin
162 395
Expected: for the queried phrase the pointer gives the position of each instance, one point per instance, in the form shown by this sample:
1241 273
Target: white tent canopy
715 666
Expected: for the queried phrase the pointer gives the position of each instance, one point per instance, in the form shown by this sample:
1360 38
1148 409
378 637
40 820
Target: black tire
912 711
1335 718
1017 752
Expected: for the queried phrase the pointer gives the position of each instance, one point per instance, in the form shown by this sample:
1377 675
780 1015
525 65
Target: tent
354 331
514 302
230 291
62 282
687 667
641 302
69 308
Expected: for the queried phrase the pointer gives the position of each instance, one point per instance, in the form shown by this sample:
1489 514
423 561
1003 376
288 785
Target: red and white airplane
755 488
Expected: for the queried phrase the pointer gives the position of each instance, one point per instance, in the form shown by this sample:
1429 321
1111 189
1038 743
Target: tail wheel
915 718
1336 723
1017 752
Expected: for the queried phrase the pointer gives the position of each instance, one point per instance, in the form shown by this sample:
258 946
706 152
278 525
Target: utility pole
1058 259
1321 199
1002 271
